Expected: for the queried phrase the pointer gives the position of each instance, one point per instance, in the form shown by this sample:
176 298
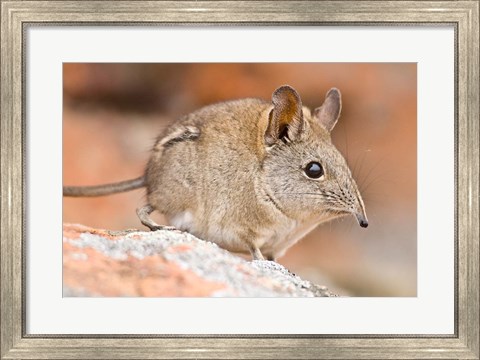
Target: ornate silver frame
16 15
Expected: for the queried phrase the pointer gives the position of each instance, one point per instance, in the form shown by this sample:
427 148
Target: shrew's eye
314 170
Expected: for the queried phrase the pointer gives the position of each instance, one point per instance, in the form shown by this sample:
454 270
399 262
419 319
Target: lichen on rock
168 264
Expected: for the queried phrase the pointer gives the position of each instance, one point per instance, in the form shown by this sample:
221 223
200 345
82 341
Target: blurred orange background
112 114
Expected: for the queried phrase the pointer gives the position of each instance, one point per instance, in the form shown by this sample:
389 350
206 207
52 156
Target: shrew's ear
328 114
286 118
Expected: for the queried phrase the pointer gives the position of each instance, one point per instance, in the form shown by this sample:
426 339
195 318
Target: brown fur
233 173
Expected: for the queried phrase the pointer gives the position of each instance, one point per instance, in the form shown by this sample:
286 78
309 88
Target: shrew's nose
362 220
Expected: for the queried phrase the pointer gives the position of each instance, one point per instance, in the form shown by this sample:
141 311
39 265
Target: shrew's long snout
360 212
362 219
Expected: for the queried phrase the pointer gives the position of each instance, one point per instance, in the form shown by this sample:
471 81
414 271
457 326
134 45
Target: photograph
239 179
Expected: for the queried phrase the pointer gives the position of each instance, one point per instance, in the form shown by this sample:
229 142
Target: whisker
301 194
344 128
369 173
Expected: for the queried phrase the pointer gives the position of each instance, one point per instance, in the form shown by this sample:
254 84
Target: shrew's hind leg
143 214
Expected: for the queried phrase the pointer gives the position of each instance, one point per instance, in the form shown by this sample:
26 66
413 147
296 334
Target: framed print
85 88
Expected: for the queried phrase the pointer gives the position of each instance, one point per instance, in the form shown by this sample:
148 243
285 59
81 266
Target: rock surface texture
168 264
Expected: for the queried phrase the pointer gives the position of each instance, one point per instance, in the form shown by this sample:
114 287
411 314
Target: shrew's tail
106 189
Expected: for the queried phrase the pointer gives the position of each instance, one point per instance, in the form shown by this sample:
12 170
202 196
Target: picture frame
17 15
